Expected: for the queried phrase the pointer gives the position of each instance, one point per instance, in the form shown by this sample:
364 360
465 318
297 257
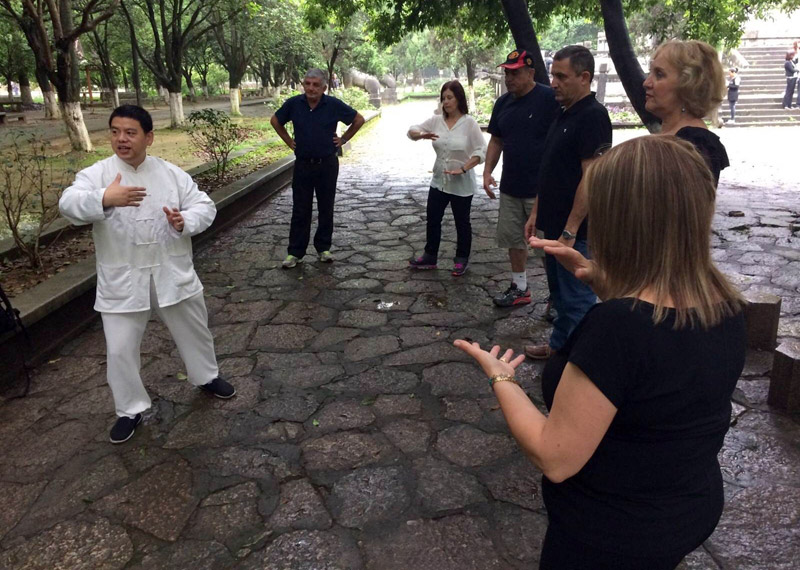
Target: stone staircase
763 85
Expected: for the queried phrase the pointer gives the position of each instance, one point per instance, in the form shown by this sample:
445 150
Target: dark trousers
461 205
787 97
561 552
732 105
571 297
315 176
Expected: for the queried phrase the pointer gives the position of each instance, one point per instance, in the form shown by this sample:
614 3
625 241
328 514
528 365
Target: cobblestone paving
360 438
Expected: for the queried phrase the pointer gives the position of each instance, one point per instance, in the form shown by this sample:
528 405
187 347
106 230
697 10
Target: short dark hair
580 59
458 93
133 112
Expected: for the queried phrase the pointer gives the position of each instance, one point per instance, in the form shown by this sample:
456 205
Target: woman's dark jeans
461 205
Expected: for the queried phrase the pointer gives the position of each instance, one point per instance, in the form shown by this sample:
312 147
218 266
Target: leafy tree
285 43
51 33
233 31
107 41
172 25
339 27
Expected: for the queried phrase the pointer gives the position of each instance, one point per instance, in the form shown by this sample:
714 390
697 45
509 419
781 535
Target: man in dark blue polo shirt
519 123
580 133
316 170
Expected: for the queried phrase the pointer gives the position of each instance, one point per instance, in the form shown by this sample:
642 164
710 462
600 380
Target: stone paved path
360 438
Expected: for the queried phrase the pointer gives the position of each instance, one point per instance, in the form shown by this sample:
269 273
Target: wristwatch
568 235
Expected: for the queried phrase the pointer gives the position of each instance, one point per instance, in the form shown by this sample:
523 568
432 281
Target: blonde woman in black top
639 397
686 82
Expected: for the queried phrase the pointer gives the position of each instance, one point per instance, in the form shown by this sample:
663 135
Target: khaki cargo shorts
511 220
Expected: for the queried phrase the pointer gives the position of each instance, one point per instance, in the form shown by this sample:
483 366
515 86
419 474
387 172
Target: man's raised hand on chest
118 195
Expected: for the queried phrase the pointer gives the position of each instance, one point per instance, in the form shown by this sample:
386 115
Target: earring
683 109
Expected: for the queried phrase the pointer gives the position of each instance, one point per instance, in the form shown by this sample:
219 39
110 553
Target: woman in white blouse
460 147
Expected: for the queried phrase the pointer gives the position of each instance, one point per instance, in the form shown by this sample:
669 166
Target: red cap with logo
517 59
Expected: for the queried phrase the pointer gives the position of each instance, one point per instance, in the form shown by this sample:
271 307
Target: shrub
356 97
484 101
215 136
30 186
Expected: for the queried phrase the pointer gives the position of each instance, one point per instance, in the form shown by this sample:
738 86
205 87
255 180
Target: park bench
6 118
15 106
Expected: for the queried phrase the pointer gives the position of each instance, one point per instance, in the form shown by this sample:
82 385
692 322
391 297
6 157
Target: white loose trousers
187 322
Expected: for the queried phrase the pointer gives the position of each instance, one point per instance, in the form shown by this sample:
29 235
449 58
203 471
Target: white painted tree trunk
25 94
471 94
164 94
264 91
76 128
205 91
176 118
114 98
235 101
51 108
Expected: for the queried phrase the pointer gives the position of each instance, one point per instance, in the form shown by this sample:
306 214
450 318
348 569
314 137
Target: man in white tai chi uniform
144 212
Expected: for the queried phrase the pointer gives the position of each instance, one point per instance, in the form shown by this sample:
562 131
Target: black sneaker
424 261
513 296
219 388
124 428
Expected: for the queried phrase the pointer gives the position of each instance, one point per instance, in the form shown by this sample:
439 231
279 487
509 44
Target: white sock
520 280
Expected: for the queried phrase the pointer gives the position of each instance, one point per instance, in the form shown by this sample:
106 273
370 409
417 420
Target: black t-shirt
709 145
314 128
653 486
522 123
578 133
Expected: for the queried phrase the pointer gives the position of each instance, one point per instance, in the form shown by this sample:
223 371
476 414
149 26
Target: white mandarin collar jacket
134 243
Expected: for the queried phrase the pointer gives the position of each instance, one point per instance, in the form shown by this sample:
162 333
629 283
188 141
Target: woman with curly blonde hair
686 82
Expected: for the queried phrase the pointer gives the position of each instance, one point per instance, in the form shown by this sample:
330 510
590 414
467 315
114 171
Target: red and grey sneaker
513 296
424 261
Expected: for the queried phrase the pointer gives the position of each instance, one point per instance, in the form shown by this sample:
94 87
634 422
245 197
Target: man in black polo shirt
314 116
580 133
518 126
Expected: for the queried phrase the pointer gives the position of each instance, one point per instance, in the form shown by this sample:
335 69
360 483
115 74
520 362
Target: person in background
580 133
791 71
734 81
316 170
639 399
460 147
518 125
686 81
144 212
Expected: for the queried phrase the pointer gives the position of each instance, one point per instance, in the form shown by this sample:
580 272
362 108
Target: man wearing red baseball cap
519 124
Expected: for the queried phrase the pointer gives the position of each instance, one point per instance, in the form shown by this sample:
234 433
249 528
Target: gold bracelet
501 378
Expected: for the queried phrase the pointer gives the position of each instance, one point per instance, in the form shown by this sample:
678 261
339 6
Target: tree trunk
166 95
114 95
176 118
234 94
76 128
52 110
470 65
135 76
25 89
519 21
628 69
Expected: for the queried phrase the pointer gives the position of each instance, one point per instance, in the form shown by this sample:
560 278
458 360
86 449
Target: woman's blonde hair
701 79
651 200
